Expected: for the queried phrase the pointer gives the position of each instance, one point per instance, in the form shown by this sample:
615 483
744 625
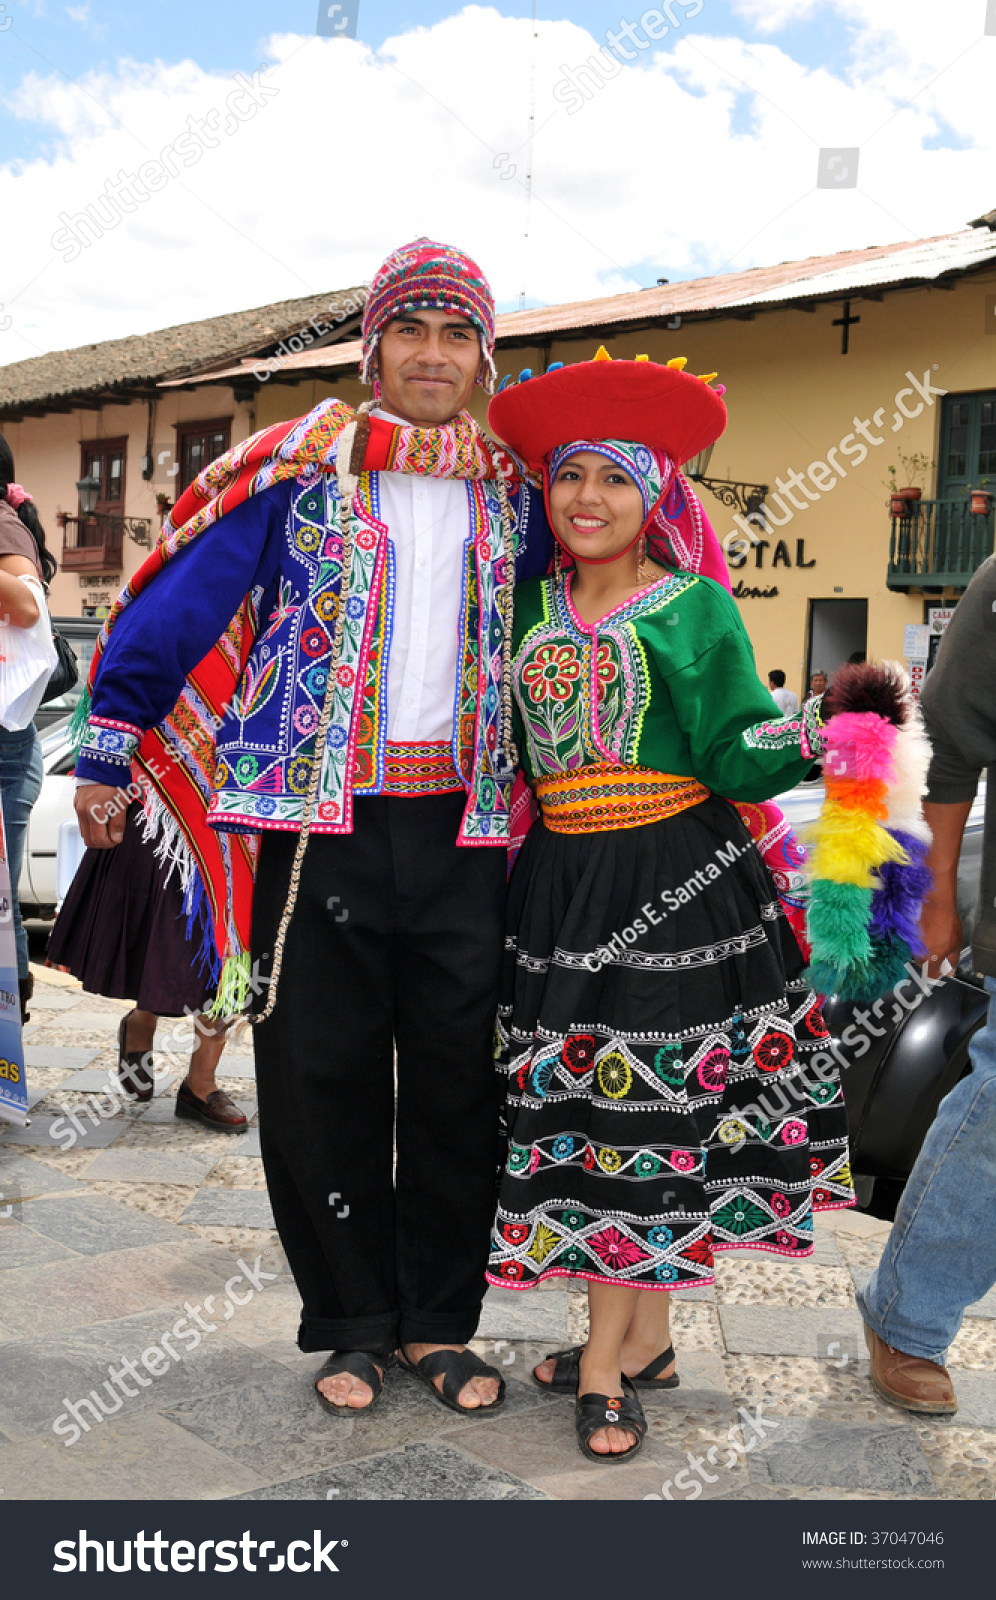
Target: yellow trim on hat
601 354
680 362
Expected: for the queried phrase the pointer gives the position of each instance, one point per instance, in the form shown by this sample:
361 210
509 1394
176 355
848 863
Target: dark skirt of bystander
122 929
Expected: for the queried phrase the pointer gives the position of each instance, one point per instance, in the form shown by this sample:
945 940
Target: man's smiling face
428 364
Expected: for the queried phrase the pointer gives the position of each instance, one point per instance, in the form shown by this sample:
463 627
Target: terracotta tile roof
828 277
139 362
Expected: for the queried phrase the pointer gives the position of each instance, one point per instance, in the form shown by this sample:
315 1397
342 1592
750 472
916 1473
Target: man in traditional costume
342 584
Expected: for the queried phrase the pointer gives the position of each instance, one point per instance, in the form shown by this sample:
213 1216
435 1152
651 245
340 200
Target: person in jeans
23 553
941 1253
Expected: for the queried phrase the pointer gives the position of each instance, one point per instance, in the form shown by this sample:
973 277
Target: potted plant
164 504
911 467
981 500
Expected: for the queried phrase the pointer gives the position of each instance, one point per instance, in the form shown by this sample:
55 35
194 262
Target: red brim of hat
640 401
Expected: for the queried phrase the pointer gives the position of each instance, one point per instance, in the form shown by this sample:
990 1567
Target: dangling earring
642 576
558 567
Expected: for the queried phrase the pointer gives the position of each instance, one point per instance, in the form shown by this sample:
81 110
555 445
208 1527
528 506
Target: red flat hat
659 406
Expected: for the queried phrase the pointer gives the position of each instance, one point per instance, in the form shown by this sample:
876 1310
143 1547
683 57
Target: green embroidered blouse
665 681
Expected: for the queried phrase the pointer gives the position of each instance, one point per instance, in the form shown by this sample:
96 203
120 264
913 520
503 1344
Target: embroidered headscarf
679 534
424 275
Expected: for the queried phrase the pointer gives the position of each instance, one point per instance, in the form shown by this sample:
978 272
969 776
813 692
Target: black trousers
396 942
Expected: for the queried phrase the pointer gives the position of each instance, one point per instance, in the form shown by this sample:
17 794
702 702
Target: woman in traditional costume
653 983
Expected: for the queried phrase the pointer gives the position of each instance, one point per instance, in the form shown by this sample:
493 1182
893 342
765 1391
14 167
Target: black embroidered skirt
669 1088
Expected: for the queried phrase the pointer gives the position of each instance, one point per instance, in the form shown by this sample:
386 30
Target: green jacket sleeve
738 748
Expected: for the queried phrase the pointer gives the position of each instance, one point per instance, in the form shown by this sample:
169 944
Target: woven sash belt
608 796
413 770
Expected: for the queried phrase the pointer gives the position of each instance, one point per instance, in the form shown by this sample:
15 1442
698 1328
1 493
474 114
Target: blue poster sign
13 1088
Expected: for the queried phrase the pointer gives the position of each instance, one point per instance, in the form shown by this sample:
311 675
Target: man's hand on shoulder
101 812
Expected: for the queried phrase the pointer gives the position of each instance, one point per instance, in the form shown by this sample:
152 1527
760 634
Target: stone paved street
108 1241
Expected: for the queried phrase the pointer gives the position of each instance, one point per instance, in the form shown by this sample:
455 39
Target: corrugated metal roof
834 276
926 259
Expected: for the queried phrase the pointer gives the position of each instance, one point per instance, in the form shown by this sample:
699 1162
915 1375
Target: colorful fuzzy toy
868 850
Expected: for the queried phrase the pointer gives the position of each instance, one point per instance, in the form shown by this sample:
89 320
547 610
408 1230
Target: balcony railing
93 544
940 544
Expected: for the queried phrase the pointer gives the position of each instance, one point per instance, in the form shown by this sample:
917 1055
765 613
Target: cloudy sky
227 156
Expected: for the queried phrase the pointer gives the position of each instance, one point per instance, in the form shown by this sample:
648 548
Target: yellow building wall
792 397
47 457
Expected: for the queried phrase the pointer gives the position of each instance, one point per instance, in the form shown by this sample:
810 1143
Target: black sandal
457 1367
595 1411
648 1379
358 1364
567 1368
133 1073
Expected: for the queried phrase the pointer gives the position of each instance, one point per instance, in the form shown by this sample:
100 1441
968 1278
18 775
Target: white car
37 890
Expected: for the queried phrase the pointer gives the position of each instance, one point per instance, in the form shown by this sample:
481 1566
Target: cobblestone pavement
110 1243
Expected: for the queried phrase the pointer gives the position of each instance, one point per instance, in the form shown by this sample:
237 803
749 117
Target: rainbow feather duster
868 850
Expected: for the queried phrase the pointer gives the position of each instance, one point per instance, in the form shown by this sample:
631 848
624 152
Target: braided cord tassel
351 444
508 616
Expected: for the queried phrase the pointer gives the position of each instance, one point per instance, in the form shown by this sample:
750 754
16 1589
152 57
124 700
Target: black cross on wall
845 324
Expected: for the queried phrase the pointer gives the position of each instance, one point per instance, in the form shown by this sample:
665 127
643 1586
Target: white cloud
657 174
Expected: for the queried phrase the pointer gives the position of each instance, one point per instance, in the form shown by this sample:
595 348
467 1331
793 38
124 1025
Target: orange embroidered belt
607 796
413 770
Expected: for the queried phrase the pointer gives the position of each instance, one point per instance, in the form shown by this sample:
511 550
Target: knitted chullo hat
424 275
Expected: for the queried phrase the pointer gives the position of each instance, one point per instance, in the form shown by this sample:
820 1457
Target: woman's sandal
457 1367
648 1379
567 1368
133 1074
358 1364
595 1411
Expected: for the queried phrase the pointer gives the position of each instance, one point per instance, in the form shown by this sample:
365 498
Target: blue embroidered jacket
283 548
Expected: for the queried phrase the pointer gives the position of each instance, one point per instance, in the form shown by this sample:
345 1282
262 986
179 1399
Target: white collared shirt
428 522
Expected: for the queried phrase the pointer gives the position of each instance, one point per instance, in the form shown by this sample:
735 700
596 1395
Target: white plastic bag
27 660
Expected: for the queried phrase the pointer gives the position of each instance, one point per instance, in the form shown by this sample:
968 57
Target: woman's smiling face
596 508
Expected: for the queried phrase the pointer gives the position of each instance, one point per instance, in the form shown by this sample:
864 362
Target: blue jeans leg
21 776
941 1253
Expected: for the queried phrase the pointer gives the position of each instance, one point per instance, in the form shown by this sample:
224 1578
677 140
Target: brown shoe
908 1381
218 1111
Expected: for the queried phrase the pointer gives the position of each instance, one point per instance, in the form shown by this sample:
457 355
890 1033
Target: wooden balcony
94 544
940 544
